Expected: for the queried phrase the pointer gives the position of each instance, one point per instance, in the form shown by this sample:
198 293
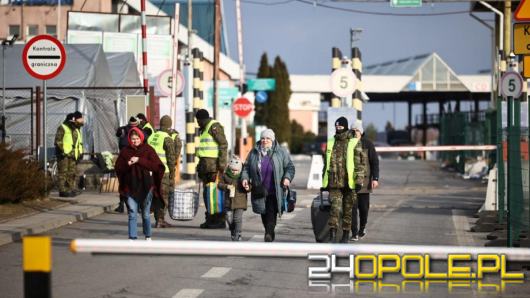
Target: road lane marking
188 293
256 238
288 216
461 225
216 272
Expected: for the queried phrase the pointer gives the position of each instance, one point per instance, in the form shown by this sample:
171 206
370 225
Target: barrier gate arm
285 250
437 148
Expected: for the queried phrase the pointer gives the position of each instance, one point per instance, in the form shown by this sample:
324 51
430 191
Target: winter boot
345 235
332 235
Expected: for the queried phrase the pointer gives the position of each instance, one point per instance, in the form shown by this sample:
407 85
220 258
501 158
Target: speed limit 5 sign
511 84
342 82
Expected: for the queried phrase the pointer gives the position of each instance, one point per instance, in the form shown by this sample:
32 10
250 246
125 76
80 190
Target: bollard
37 265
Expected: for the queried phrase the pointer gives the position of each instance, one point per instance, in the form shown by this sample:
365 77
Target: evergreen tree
278 106
371 132
261 109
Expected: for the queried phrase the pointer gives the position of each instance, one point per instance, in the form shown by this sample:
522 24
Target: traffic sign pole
44 58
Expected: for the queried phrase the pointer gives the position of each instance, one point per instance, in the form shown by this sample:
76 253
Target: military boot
332 235
345 235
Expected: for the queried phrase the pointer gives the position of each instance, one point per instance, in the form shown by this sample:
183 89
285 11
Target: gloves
358 187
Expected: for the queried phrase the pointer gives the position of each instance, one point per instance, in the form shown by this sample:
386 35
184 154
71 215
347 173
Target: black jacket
372 170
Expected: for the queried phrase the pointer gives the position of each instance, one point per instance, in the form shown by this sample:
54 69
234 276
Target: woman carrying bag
268 170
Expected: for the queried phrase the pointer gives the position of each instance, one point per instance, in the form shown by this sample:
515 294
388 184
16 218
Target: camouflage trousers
162 204
66 172
342 201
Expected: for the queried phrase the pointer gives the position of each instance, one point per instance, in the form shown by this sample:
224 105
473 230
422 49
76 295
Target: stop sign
242 107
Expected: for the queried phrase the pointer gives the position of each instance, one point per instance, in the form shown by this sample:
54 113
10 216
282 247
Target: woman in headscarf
140 172
268 169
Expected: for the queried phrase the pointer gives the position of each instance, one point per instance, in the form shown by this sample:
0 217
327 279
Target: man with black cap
145 126
123 141
163 143
343 175
68 150
212 154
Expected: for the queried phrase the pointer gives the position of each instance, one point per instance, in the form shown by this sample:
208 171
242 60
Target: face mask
339 130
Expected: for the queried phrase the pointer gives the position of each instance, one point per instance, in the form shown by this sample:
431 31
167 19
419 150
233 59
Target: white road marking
216 272
461 224
287 216
256 238
188 293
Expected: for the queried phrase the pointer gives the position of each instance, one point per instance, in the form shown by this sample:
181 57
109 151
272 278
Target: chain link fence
20 118
103 108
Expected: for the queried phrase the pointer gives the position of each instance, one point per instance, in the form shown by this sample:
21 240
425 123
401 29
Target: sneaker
238 238
268 238
119 209
147 238
362 233
354 238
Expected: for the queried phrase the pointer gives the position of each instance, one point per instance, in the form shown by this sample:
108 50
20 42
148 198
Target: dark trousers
271 211
363 204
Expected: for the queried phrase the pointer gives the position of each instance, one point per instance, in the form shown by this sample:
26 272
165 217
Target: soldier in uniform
68 150
213 154
343 176
164 147
145 126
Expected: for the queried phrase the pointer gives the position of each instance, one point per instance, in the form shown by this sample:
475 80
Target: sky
303 34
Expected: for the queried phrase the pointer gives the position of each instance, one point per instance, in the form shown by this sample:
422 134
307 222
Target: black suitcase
320 209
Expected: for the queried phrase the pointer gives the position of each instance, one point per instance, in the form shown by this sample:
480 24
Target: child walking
235 196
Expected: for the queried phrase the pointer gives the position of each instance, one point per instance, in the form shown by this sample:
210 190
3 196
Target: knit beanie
269 134
342 121
77 115
235 165
133 121
357 126
141 117
202 114
165 122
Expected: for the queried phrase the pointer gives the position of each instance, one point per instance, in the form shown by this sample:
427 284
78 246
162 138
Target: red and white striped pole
144 46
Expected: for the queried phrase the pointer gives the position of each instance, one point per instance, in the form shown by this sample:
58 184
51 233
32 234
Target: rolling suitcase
183 204
320 209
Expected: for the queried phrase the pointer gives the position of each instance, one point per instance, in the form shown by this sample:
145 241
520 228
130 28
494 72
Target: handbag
183 204
289 200
214 198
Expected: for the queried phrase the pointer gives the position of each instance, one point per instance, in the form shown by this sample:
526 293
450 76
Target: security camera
10 40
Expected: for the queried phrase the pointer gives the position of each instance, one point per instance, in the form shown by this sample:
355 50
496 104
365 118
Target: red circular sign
44 57
242 107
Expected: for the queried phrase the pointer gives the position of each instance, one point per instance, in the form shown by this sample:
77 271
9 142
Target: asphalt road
416 204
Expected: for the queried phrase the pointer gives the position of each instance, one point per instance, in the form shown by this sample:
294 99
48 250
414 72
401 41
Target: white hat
268 133
357 126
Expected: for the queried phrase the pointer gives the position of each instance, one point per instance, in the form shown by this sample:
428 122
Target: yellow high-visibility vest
68 142
208 147
156 140
350 164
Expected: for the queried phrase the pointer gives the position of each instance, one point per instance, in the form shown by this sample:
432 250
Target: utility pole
217 50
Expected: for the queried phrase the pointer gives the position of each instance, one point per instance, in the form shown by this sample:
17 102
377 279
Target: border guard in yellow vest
213 154
162 142
343 176
68 150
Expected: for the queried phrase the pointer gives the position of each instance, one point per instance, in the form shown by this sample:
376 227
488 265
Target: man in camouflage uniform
213 154
343 176
164 146
68 150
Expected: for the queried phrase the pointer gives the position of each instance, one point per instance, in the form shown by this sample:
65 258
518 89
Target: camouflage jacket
59 135
338 176
211 165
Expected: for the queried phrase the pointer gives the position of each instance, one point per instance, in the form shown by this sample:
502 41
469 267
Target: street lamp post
7 42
